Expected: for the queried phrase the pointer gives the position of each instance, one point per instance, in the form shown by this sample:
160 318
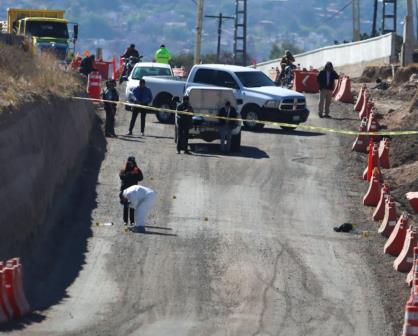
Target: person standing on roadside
141 199
184 123
140 95
130 175
226 125
110 94
326 81
162 55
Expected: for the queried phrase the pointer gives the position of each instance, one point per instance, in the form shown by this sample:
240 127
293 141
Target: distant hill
113 24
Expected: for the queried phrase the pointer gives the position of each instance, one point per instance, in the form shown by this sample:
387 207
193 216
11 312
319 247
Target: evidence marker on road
103 224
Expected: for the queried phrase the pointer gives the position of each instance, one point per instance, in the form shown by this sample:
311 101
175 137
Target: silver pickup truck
257 96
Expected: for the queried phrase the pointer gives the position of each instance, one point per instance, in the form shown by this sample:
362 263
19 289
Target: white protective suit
141 199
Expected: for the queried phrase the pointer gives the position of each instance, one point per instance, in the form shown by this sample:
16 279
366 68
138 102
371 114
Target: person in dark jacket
110 93
226 126
129 176
184 123
326 81
130 51
87 65
140 95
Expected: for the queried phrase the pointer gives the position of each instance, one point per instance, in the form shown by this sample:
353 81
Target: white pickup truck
257 96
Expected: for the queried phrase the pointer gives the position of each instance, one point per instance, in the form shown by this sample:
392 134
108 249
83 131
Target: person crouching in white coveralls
141 199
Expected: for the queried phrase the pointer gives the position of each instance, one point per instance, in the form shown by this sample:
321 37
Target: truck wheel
252 115
236 142
164 117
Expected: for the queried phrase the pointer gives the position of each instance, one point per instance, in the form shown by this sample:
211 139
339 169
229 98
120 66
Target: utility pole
416 17
408 36
240 33
220 18
356 20
198 39
374 31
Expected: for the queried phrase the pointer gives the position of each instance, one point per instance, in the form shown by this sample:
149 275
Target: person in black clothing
131 51
184 123
87 65
110 93
226 126
326 81
129 176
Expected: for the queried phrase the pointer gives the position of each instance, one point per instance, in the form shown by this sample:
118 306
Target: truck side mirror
75 31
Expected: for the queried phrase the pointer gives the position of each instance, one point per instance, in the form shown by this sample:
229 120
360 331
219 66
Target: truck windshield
140 72
254 79
47 29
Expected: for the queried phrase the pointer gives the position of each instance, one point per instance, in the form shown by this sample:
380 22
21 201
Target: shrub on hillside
25 76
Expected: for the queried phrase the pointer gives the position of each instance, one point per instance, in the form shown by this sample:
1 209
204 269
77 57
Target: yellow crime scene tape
272 123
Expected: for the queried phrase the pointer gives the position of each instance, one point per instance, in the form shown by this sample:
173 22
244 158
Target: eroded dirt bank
42 144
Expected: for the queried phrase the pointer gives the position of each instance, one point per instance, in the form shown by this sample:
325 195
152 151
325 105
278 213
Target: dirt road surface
236 245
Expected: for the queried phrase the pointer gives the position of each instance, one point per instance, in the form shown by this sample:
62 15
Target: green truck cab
44 30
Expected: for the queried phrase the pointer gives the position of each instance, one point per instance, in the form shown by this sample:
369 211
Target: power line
336 13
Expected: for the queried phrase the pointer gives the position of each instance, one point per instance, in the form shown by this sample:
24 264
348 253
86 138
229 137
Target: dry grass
25 76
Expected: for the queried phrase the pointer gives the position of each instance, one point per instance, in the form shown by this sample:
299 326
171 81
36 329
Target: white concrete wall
377 50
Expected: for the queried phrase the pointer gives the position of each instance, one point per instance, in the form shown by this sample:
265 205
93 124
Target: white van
206 103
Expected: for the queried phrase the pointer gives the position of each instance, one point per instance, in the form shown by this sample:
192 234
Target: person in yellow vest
162 55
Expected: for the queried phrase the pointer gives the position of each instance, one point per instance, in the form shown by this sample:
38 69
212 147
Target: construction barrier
103 68
362 140
372 124
179 72
410 327
389 219
93 85
384 146
412 197
6 311
75 63
360 99
373 193
403 263
413 273
13 302
344 94
337 86
396 239
305 81
379 212
14 288
366 109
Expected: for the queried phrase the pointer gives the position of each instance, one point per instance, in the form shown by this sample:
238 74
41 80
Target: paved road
265 262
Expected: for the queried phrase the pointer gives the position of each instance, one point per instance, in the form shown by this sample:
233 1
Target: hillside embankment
44 135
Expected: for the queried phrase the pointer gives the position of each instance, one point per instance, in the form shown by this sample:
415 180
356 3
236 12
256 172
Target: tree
278 50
